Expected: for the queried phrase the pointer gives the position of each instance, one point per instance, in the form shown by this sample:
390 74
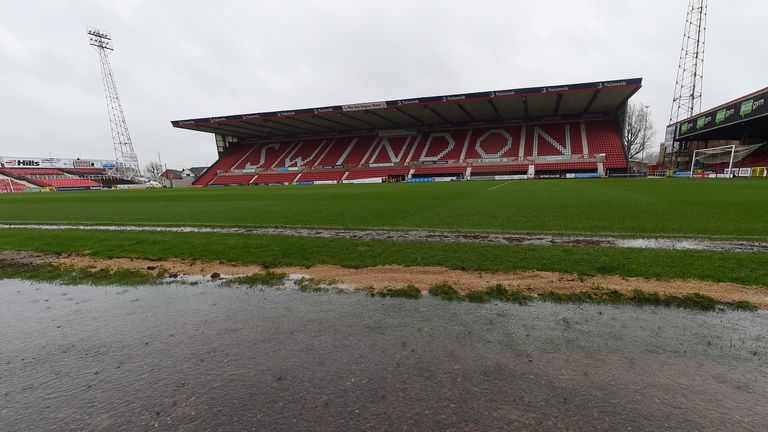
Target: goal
717 157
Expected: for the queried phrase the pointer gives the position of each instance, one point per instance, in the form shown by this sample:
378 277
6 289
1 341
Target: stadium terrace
29 174
540 132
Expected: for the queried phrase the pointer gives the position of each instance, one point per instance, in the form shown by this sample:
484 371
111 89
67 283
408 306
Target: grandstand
543 132
732 136
27 174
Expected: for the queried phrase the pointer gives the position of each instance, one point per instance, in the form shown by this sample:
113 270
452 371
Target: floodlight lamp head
99 38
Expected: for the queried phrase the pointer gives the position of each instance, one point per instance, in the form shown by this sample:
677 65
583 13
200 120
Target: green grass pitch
632 207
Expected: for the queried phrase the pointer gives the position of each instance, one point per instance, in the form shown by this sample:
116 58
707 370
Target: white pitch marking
498 186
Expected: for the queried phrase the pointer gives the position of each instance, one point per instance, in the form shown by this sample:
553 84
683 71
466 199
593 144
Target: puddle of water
496 238
205 357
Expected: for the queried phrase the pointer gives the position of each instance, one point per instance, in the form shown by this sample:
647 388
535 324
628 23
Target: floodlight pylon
689 84
127 163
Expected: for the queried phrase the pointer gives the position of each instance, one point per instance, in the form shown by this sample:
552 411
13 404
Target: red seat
275 177
558 146
565 166
330 175
225 162
440 169
489 169
232 180
26 172
65 182
376 173
9 185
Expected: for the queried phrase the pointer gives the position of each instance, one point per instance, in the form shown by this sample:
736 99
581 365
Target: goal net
719 159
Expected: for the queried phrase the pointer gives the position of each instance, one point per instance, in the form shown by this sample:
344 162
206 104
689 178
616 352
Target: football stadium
398 182
510 259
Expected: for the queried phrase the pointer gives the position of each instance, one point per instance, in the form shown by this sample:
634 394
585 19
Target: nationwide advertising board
27 162
742 110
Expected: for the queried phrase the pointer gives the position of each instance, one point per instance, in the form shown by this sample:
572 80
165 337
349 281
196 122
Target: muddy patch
27 257
534 282
443 236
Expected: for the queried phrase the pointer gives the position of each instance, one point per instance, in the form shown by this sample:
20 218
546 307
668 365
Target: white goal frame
730 164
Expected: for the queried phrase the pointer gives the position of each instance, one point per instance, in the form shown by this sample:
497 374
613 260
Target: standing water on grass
211 358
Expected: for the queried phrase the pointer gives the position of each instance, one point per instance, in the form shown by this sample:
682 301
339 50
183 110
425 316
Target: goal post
713 151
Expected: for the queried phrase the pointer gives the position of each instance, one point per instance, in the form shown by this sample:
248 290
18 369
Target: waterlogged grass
317 285
498 292
744 305
52 273
597 295
478 297
267 278
623 206
287 251
408 292
640 298
446 292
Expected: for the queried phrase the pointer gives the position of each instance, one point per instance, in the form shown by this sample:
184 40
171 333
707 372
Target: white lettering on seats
449 147
539 132
485 155
346 152
391 153
263 156
413 148
299 161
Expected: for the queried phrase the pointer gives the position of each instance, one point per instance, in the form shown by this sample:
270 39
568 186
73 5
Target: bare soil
25 257
534 282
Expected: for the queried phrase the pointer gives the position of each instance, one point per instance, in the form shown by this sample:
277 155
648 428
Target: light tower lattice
127 161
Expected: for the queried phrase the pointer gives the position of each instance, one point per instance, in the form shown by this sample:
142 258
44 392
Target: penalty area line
498 186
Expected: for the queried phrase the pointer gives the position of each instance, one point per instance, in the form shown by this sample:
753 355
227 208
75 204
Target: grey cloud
178 59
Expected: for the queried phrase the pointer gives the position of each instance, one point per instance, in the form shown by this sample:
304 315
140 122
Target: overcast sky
184 59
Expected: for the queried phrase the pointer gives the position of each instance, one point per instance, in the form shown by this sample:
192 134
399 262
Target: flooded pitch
441 236
211 358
